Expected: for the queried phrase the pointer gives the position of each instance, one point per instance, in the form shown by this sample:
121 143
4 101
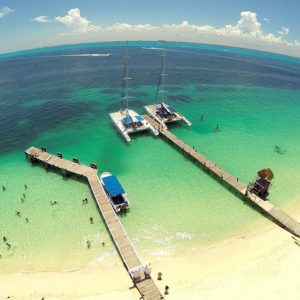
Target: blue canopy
127 120
113 186
139 118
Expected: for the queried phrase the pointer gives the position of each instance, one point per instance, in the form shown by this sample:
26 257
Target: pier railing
139 273
280 217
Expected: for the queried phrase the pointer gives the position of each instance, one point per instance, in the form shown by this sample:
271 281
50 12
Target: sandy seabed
261 265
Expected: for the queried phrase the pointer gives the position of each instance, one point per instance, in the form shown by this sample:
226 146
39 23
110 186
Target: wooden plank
117 232
281 217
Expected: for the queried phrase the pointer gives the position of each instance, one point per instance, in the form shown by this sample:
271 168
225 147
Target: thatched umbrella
266 173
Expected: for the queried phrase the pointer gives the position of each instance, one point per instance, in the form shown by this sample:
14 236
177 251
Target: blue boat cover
113 186
127 120
139 118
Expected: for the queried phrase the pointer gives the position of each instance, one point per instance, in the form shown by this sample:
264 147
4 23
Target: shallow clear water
62 103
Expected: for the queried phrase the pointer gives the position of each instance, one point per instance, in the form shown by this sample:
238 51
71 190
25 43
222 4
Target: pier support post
64 172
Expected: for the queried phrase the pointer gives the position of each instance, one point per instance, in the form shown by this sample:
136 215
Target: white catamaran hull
118 117
151 110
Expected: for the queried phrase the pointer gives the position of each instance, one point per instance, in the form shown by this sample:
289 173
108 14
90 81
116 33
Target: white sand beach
261 265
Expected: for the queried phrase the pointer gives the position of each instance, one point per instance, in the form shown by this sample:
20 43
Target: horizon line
146 41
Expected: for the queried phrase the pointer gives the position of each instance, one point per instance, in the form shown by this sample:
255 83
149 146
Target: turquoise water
174 205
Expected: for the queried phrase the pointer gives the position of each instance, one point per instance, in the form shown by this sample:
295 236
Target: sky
267 25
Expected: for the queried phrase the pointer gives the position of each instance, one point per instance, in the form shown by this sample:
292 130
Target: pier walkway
139 273
277 214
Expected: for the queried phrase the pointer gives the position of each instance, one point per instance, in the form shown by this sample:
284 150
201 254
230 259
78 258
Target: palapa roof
266 173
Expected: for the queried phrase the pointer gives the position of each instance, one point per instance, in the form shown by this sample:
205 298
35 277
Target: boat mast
125 96
161 83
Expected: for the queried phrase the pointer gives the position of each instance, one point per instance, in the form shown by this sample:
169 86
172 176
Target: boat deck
144 284
151 110
117 118
277 214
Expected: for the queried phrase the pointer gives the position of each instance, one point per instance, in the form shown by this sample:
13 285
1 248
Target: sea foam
88 54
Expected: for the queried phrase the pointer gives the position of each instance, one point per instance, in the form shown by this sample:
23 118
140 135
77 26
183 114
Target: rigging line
125 86
159 81
126 76
163 75
123 89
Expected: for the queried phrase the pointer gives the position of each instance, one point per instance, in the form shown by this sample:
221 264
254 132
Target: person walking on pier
166 290
159 275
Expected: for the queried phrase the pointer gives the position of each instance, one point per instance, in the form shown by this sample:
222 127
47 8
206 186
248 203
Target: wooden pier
277 214
139 273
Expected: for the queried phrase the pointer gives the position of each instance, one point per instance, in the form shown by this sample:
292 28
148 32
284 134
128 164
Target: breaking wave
152 48
88 55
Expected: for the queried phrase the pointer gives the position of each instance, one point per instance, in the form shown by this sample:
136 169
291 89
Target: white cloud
246 33
4 11
248 23
267 20
129 27
284 30
42 19
76 22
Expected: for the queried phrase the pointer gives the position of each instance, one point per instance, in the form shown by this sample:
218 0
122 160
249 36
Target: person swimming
279 150
88 244
217 128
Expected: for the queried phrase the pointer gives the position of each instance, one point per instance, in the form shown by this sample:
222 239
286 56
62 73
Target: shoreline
259 261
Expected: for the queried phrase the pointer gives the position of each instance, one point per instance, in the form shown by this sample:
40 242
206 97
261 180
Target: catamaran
114 191
127 120
162 112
